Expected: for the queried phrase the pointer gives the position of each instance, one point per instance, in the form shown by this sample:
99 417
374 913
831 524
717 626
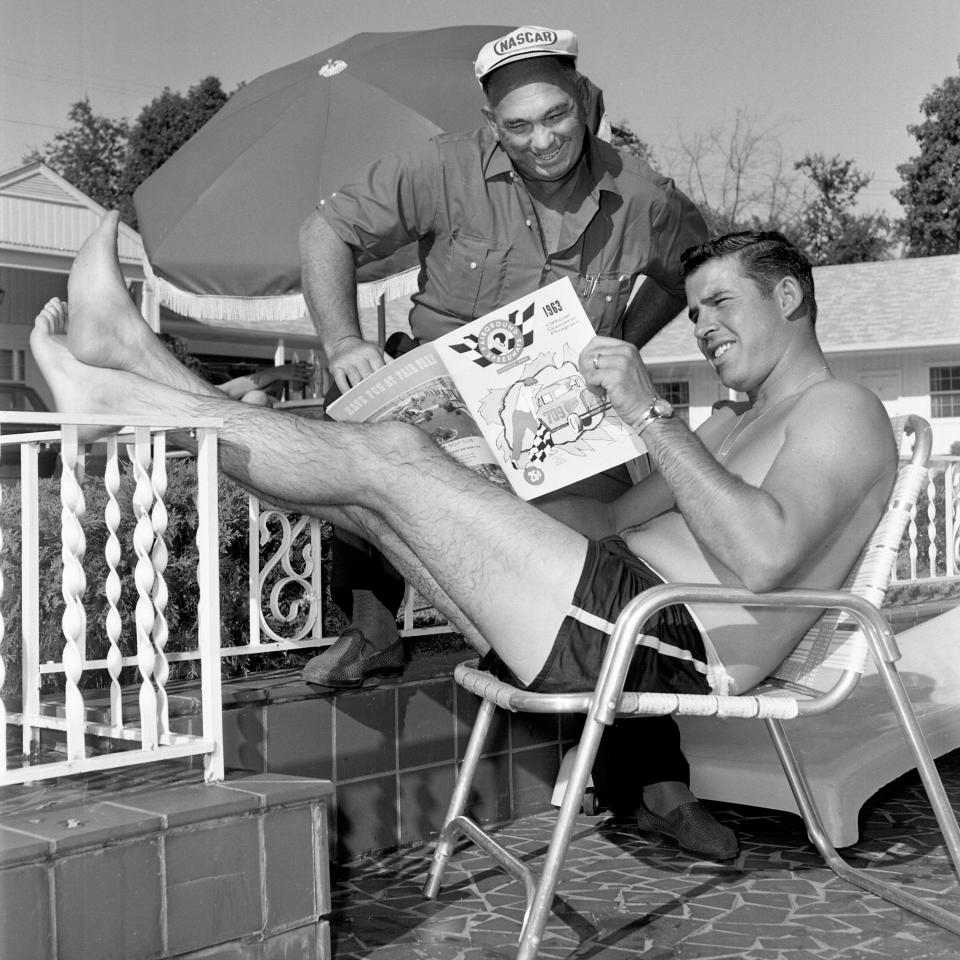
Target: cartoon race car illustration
567 402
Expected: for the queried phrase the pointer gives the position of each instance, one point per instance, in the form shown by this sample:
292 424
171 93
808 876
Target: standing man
530 197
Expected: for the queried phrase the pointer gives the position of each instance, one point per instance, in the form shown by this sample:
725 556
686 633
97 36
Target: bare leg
374 528
477 542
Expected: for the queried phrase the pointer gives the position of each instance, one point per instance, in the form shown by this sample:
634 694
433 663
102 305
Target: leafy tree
930 194
162 127
90 154
108 159
830 231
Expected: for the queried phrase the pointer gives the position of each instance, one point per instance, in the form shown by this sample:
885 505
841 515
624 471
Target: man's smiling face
537 113
740 330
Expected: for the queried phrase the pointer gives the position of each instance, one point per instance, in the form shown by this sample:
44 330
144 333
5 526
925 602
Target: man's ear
491 121
790 296
583 90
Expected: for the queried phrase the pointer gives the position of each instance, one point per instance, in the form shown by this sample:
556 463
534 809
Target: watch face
662 408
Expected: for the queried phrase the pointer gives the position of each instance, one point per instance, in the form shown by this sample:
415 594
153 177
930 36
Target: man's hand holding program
614 368
353 359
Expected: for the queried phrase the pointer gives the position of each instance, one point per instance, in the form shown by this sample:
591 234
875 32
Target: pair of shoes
350 660
694 829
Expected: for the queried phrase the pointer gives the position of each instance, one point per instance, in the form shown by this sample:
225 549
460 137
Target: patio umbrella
219 219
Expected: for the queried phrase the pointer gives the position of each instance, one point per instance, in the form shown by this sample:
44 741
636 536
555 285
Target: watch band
659 409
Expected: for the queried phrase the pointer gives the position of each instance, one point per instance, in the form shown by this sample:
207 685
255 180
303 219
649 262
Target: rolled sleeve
392 203
677 225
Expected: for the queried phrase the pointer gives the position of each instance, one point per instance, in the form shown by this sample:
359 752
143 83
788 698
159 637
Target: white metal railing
285 598
84 739
932 548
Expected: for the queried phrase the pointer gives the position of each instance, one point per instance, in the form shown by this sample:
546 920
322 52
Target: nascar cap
522 44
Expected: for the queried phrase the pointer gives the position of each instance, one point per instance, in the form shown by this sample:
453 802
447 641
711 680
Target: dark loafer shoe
694 829
350 660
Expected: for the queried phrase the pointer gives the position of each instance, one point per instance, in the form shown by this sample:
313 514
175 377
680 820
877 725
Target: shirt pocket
604 297
474 278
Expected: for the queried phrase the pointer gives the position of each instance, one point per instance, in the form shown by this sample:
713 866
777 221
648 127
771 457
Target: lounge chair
816 678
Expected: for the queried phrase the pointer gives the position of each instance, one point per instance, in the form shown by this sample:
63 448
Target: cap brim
526 55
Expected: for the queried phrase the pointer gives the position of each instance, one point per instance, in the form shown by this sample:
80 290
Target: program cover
517 370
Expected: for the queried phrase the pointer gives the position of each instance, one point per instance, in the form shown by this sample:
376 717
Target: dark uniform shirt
459 197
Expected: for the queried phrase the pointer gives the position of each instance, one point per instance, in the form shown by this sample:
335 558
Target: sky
832 76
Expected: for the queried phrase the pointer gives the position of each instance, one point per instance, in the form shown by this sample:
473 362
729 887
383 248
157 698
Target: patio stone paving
622 895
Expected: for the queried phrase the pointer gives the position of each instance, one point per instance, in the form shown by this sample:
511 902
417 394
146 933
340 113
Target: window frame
669 390
951 395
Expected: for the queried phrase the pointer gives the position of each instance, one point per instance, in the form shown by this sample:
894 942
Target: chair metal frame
608 701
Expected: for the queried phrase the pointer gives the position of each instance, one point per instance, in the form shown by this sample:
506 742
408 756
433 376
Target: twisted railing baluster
74 584
912 538
931 524
951 504
144 578
159 555
113 554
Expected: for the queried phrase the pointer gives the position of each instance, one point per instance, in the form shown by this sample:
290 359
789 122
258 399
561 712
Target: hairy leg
509 568
364 523
372 527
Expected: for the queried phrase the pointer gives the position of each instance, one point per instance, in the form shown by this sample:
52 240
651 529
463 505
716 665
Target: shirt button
546 268
322 202
473 264
622 278
528 223
608 298
333 194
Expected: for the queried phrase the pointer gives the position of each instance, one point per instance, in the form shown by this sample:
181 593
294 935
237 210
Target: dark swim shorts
670 655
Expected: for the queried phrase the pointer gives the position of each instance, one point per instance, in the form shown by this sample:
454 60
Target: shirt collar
496 163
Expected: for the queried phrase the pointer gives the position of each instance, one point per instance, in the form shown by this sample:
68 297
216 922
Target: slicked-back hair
765 257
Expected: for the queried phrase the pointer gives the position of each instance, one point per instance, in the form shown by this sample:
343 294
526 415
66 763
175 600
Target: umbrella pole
381 321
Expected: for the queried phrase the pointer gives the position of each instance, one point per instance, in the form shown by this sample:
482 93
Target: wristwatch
659 409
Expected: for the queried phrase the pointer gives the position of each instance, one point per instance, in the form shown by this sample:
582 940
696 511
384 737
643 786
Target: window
677 393
945 391
12 365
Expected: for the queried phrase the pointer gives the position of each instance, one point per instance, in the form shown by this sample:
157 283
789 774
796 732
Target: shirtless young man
781 492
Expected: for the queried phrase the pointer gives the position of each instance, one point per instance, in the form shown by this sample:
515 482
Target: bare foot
73 383
80 388
53 317
105 329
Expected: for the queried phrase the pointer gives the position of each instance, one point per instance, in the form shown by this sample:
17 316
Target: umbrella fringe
288 311
390 288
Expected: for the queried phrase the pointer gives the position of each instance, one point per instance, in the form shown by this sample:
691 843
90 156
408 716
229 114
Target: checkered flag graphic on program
484 349
542 442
